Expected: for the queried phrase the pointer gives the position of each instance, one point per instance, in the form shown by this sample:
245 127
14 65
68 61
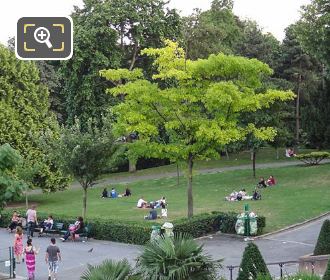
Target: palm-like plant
178 258
108 270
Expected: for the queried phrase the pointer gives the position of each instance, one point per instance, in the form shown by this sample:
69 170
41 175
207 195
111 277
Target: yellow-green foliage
199 106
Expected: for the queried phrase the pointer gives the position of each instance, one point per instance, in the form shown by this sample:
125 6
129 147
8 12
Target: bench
84 235
56 229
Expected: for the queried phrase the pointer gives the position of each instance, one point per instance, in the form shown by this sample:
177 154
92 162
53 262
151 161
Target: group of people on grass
243 195
266 183
153 205
113 193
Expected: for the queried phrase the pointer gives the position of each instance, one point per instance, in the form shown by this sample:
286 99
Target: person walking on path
53 256
18 244
30 259
31 216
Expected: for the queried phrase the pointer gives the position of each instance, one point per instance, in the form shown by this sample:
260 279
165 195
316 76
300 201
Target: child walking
30 258
18 244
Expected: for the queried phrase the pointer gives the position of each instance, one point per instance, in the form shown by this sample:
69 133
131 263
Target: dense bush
322 246
252 265
139 232
292 277
313 158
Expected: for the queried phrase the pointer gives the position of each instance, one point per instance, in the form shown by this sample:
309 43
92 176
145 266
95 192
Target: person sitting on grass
271 181
160 202
141 203
127 192
77 228
113 193
256 195
152 214
104 193
262 183
47 224
164 211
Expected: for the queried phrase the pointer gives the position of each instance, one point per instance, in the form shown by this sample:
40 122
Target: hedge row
139 232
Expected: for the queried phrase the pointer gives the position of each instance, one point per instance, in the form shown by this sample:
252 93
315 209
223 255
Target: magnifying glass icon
41 35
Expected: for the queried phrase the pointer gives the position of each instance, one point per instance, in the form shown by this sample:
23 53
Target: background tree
303 72
252 264
109 34
10 185
326 275
212 31
25 116
200 113
84 154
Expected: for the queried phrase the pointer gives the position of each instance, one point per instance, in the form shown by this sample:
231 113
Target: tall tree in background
212 31
109 34
199 111
304 74
25 116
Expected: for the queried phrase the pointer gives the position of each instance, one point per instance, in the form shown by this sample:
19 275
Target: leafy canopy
199 110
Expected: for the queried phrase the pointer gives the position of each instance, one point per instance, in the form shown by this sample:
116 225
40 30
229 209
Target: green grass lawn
264 155
301 193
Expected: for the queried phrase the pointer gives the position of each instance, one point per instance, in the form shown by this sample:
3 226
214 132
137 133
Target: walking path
284 246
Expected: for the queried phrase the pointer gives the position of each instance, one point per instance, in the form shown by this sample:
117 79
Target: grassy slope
264 155
302 193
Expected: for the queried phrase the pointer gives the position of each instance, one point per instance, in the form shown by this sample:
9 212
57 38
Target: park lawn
301 193
264 155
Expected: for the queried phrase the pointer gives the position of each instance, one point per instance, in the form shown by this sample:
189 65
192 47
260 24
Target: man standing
31 216
53 256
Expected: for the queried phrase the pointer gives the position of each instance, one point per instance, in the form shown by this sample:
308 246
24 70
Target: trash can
168 227
155 233
246 224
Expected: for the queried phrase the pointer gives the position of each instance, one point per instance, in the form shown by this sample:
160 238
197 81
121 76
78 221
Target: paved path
285 246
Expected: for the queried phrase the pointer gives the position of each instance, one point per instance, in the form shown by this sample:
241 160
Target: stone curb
293 226
210 236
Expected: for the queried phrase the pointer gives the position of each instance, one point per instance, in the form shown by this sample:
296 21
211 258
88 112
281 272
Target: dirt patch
13 205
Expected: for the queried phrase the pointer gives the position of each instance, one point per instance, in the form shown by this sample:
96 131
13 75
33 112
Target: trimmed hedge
322 246
313 158
139 232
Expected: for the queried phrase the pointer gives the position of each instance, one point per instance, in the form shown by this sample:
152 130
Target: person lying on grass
238 196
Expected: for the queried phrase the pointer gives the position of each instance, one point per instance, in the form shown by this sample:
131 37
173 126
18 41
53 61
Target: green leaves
178 258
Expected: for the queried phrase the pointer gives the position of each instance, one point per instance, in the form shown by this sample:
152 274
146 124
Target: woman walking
30 259
18 244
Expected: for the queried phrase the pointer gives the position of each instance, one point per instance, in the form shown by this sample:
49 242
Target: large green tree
199 111
10 185
110 34
25 116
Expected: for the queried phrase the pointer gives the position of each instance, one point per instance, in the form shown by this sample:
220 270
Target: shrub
323 242
252 264
109 270
178 258
292 277
313 158
326 275
139 232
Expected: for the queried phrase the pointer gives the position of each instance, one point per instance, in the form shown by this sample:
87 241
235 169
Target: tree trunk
177 173
84 202
26 199
254 163
277 153
131 165
298 112
189 189
227 154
